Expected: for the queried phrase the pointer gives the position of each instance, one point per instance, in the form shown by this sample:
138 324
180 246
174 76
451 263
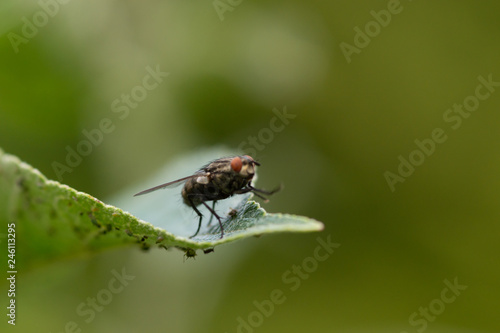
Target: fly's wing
174 183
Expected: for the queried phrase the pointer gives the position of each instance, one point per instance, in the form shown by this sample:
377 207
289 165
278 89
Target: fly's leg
218 218
199 214
254 190
211 216
266 200
257 191
246 190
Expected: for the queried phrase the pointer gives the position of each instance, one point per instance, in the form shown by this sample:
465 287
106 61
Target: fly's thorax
228 183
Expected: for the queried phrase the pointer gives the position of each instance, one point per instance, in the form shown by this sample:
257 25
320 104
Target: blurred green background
229 66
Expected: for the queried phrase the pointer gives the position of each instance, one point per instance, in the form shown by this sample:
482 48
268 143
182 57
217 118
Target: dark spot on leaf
94 220
207 251
22 184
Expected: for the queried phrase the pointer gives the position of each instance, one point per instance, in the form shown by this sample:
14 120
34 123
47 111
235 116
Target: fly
215 181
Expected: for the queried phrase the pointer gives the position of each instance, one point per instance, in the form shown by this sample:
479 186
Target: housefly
215 181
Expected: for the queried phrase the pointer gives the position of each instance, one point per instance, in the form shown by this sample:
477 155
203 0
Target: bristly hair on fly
217 180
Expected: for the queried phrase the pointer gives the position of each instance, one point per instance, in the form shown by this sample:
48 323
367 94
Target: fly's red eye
236 164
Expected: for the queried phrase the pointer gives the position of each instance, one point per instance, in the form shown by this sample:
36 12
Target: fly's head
243 166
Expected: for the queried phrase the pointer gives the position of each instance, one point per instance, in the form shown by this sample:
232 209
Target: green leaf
53 220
